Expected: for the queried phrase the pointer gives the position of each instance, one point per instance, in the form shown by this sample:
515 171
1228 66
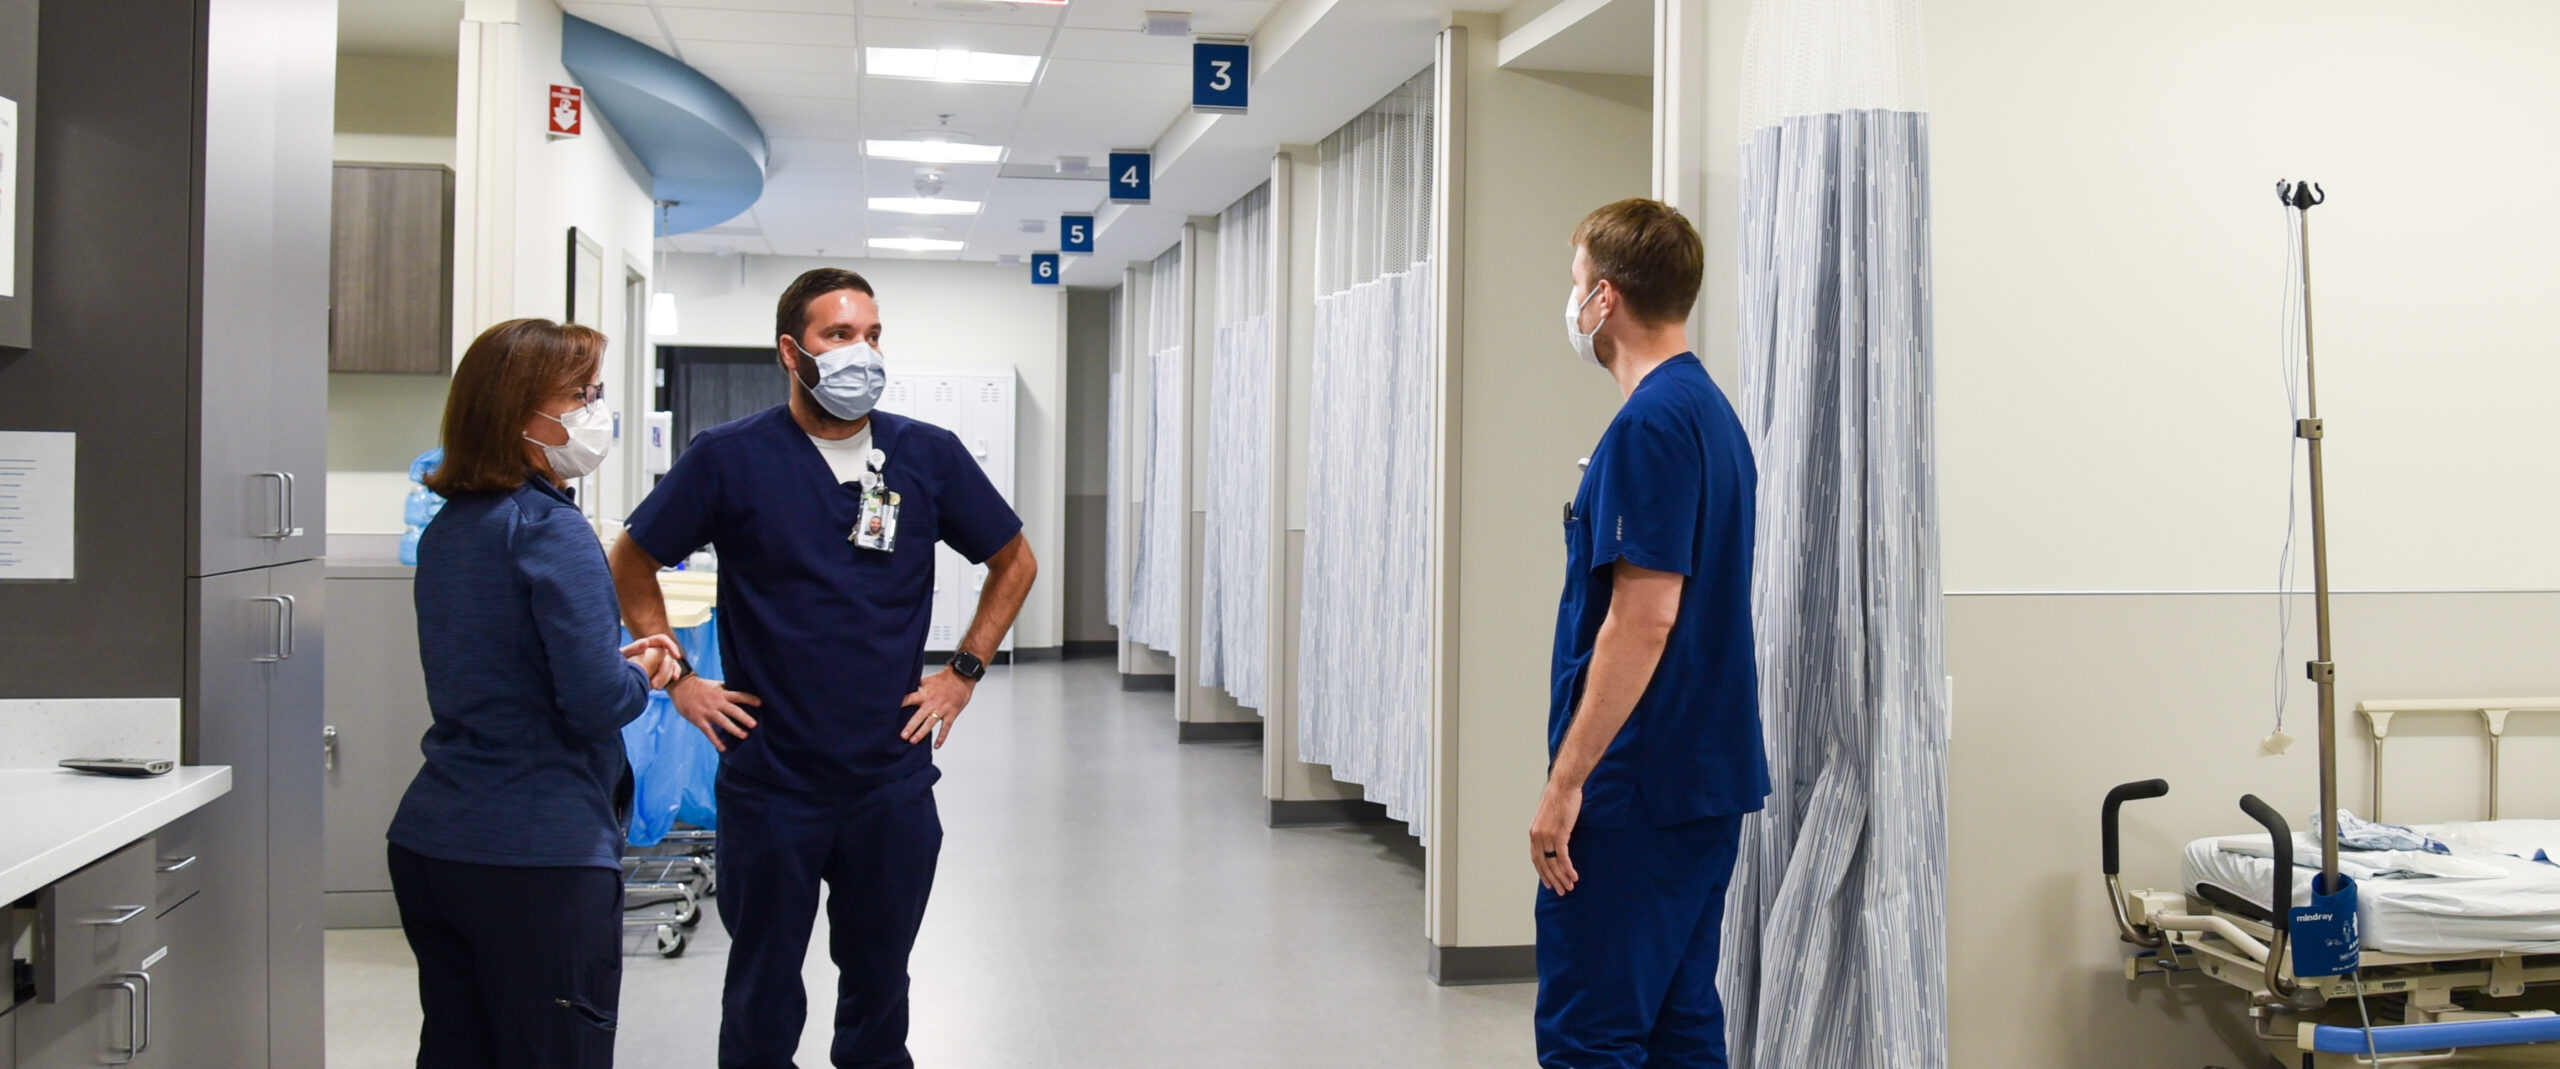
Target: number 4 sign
1218 73
1132 177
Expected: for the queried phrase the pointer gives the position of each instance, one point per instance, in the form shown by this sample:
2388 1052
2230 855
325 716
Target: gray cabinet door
263 253
378 711
222 1009
8 1041
391 268
294 923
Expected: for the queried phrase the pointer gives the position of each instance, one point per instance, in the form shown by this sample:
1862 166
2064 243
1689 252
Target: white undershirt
846 457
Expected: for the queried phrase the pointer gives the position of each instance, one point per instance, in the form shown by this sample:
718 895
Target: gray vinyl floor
1107 898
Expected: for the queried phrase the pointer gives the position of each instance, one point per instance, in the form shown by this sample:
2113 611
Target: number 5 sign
1218 73
1075 233
1132 176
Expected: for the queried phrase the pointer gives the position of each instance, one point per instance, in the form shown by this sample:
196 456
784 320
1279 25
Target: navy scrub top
830 635
1670 488
521 638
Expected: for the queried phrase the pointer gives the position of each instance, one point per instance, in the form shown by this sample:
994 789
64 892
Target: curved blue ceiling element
702 149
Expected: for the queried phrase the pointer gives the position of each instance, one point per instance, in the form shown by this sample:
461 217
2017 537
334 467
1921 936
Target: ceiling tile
746 83
1020 40
1120 46
630 20
714 56
763 27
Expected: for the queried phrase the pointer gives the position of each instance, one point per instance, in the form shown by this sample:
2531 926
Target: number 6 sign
1044 269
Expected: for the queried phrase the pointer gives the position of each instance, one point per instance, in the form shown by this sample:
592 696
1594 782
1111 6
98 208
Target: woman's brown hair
508 372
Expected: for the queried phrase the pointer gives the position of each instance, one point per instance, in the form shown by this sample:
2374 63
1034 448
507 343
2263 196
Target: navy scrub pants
875 851
518 968
1627 962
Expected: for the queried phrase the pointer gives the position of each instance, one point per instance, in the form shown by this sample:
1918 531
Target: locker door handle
329 747
292 508
284 640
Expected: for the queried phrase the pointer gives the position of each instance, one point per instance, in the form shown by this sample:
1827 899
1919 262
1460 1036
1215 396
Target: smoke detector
929 182
1166 24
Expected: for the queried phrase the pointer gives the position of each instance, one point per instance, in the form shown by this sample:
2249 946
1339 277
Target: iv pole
2302 197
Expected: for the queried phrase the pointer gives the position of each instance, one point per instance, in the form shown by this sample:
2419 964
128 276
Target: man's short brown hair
791 314
1649 253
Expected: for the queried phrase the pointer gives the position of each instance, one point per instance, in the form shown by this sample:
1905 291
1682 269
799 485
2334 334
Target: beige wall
931 312
1542 151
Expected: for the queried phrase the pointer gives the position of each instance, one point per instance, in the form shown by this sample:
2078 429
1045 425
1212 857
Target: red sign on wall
568 111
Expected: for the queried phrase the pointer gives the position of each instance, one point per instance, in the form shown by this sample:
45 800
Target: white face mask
850 378
590 434
1586 345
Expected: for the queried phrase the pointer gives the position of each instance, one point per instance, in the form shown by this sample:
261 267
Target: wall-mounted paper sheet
35 505
8 197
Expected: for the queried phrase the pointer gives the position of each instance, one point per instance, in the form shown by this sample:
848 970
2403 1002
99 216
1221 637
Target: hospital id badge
877 527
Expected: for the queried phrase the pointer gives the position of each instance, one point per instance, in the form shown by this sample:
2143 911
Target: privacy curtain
1364 639
1155 593
1234 590
1116 490
1835 931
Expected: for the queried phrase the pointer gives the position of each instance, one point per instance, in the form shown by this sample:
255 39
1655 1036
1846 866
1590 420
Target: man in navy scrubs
1654 726
825 514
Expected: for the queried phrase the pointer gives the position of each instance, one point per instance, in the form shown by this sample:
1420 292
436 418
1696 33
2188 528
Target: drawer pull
178 865
122 918
132 1023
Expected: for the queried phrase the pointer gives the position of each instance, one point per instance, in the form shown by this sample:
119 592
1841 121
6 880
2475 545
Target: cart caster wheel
692 918
671 940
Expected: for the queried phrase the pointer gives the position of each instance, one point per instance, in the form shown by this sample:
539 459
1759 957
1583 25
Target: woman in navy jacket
505 854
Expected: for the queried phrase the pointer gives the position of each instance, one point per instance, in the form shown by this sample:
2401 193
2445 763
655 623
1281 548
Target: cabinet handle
283 526
145 1000
178 865
124 917
280 639
329 747
292 509
132 1022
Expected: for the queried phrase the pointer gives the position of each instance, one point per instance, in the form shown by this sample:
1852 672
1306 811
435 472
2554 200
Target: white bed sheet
2517 910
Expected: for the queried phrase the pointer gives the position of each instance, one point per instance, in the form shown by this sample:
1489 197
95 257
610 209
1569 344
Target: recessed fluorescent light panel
916 244
924 206
934 151
951 65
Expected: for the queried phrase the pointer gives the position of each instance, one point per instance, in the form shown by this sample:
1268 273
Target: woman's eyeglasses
589 393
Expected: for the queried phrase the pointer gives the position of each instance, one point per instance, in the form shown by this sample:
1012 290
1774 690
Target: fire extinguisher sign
568 111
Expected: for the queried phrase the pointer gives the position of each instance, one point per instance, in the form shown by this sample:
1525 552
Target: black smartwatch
967 666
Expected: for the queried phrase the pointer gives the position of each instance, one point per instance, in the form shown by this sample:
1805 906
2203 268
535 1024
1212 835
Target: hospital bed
2460 947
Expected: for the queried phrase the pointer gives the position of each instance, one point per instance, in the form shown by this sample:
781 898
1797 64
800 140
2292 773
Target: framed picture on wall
586 280
17 178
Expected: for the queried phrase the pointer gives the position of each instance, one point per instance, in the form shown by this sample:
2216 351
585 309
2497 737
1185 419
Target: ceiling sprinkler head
929 182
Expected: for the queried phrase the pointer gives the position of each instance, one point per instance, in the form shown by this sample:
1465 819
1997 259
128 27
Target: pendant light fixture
662 304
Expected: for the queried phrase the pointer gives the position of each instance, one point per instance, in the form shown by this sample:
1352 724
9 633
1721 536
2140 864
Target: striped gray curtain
1835 928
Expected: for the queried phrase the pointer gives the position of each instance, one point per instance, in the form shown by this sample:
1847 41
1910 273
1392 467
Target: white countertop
54 821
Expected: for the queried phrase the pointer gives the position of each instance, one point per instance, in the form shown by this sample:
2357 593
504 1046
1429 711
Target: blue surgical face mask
850 378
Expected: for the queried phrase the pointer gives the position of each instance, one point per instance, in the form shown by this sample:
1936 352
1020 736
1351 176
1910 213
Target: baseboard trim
1326 813
1085 651
1220 731
1140 683
359 909
1038 654
1468 966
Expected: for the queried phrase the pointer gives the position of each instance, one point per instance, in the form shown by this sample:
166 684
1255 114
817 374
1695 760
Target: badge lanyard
877 525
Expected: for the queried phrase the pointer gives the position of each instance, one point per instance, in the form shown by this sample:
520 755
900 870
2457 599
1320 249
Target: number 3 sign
1218 73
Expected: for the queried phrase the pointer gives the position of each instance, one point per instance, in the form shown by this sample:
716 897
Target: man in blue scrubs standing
825 514
1654 723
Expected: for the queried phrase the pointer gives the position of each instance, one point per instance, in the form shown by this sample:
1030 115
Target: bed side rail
2280 842
2107 838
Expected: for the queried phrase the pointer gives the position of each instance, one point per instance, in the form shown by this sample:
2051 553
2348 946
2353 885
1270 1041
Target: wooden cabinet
391 268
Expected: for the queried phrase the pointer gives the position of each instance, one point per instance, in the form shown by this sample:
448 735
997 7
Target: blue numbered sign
1044 269
1133 176
1075 233
1218 72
